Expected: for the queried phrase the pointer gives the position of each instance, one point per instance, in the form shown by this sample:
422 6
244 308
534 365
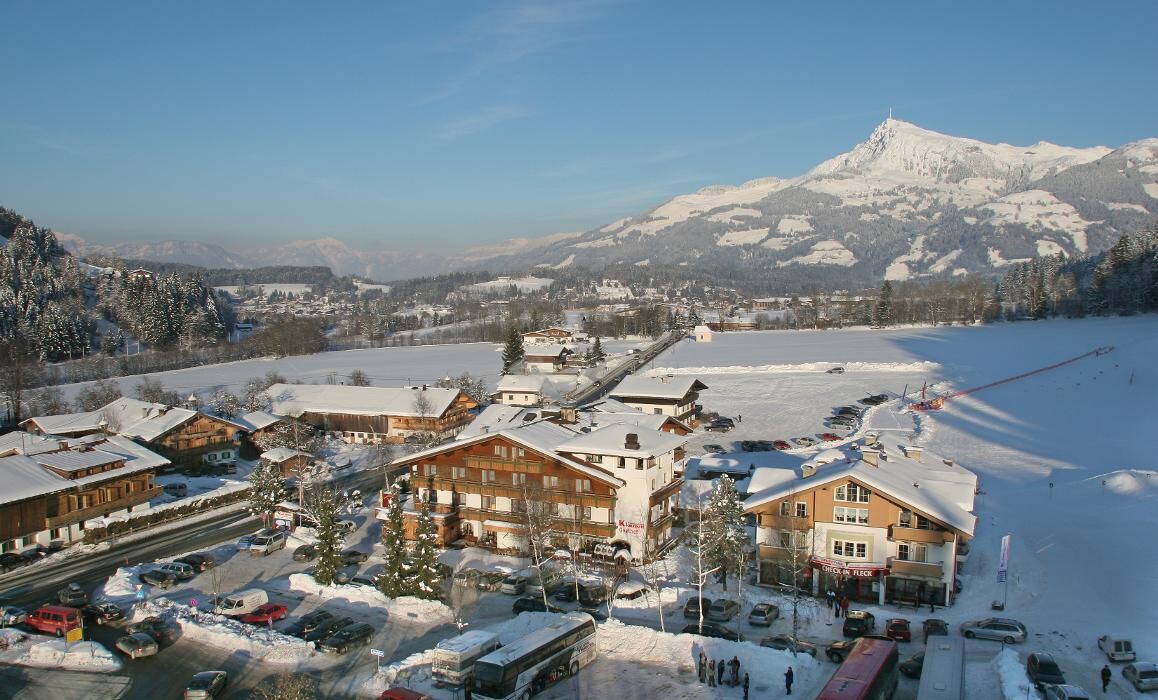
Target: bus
541 658
869 673
943 671
454 658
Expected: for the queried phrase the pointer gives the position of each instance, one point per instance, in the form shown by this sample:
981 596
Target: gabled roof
24 478
75 461
281 454
611 440
522 382
677 387
540 350
539 436
256 420
497 417
940 491
296 399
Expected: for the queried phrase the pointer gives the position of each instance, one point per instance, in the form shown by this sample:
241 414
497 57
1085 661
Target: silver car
1143 675
999 628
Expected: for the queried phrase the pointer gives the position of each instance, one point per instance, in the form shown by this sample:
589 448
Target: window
563 510
850 550
429 470
518 452
550 482
852 516
458 472
622 462
788 537
583 485
488 502
785 509
801 509
912 551
906 518
518 505
488 476
586 512
852 492
501 451
518 478
510 397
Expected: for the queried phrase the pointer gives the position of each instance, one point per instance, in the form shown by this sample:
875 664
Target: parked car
912 666
567 592
1117 648
1041 668
1142 675
711 629
763 614
267 542
181 570
843 421
1064 691
834 370
631 591
348 637
54 619
722 610
804 441
850 411
362 581
533 604
514 585
838 651
352 556
102 614
784 642
934 626
206 684
158 578
243 542
328 628
156 627
858 623
721 424
306 552
999 628
11 615
137 645
200 562
781 445
694 605
489 580
829 437
72 595
715 449
265 614
897 629
403 694
12 560
346 525
242 602
307 622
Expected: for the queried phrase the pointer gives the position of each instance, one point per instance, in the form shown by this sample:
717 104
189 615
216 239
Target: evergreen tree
391 579
265 492
725 535
325 511
423 579
884 311
513 352
597 353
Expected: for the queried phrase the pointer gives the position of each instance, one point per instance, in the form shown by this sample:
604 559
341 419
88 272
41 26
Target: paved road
596 390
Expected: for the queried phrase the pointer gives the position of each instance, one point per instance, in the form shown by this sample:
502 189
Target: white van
537 581
242 602
267 541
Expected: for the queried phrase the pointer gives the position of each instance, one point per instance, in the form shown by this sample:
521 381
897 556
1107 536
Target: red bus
869 672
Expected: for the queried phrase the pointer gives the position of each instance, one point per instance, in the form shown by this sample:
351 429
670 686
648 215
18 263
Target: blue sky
435 124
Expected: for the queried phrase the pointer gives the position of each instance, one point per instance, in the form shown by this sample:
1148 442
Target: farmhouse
888 525
546 358
702 334
670 396
519 390
548 336
289 461
369 415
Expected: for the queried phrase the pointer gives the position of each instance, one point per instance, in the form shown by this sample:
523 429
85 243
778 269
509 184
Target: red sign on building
841 568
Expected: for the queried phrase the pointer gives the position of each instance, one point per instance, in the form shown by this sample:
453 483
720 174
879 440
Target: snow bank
415 608
1011 672
121 586
80 656
801 367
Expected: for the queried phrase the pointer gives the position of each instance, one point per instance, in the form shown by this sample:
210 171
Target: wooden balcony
662 493
504 465
912 534
489 488
900 567
562 525
76 516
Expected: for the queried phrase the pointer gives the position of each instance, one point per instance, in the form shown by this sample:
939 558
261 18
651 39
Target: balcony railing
912 534
76 516
901 567
505 465
490 488
564 525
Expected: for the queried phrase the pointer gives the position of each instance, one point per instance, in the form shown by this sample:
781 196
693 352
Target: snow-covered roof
296 399
24 478
702 329
20 442
121 447
941 491
542 350
281 454
612 440
75 461
522 382
256 420
496 417
677 387
135 455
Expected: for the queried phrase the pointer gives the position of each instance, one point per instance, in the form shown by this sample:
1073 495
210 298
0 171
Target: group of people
838 604
712 672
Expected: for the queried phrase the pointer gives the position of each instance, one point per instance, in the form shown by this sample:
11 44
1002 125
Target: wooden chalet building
546 359
670 396
548 336
52 486
289 461
371 415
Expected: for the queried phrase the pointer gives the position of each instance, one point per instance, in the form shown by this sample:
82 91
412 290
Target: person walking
788 676
735 667
702 666
844 606
745 686
720 670
831 597
1106 676
712 673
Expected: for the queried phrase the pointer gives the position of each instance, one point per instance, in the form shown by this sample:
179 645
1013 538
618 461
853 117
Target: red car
829 437
270 612
897 629
781 445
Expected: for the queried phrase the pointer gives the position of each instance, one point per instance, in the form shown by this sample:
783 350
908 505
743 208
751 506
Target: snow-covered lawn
23 649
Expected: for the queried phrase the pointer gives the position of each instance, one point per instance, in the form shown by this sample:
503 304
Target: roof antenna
890 113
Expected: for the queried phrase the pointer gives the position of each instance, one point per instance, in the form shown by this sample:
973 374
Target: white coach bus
538 660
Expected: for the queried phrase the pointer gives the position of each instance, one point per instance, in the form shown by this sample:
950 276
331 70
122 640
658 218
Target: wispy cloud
480 121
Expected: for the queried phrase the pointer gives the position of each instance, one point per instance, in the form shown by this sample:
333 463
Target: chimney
424 387
870 456
807 469
913 452
62 444
632 442
145 412
870 438
947 462
569 414
486 429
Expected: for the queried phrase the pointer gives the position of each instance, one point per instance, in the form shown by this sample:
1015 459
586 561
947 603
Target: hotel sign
841 568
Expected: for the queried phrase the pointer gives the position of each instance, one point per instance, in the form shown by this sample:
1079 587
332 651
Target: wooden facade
188 443
389 428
